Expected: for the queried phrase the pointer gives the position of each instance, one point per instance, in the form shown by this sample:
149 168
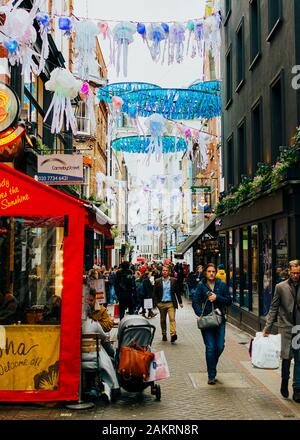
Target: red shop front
41 272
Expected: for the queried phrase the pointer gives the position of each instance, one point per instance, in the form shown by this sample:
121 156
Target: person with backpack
125 289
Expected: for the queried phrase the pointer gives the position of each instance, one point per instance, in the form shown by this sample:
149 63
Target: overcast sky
140 65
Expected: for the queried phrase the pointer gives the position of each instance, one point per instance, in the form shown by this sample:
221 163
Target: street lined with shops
242 392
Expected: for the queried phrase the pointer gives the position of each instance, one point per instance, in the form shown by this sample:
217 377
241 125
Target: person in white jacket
89 360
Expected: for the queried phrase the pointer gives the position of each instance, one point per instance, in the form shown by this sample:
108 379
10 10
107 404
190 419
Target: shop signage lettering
28 361
10 195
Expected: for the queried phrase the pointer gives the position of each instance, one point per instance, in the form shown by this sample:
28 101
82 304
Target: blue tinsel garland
141 144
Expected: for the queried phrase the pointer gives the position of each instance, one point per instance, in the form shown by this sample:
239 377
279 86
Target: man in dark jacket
125 289
212 292
167 297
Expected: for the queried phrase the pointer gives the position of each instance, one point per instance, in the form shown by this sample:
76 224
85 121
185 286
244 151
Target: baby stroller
135 329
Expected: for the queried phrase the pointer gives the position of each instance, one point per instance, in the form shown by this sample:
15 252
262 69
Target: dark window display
237 273
31 269
254 269
266 267
246 302
281 250
230 262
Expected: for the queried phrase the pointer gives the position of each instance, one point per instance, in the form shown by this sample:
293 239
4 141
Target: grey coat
282 307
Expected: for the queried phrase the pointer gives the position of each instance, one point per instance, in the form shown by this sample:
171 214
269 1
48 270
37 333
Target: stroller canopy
135 328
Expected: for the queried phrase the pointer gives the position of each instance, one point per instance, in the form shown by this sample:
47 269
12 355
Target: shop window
266 267
237 268
254 269
255 31
281 250
31 282
246 300
230 262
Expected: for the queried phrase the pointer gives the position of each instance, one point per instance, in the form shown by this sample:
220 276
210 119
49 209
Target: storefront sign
11 195
30 359
99 286
118 244
60 169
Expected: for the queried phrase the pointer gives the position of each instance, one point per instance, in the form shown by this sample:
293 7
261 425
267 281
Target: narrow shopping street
243 393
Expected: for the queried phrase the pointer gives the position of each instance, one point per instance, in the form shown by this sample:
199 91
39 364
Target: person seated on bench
104 364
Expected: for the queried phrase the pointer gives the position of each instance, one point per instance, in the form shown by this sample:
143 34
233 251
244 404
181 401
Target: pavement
242 393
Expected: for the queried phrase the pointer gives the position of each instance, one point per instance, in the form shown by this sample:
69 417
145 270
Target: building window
86 181
277 115
257 135
255 31
266 267
275 16
230 162
83 120
227 11
246 300
242 150
228 78
254 270
240 55
281 249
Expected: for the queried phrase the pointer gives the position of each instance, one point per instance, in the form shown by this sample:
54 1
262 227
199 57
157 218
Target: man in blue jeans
212 291
286 306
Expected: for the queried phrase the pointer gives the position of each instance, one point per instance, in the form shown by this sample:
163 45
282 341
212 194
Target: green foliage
266 177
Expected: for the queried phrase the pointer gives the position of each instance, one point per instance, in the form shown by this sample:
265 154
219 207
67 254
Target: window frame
257 104
254 58
273 28
229 99
240 58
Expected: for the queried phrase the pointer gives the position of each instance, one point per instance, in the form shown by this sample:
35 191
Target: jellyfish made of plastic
156 125
43 20
20 36
85 48
88 97
212 34
65 87
123 36
156 34
176 43
196 34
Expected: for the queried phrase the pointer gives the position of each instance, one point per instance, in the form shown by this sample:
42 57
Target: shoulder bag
212 320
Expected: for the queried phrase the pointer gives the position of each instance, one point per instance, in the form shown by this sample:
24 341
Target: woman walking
212 293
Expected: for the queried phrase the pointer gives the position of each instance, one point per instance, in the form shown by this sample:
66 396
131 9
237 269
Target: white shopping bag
159 368
266 351
148 303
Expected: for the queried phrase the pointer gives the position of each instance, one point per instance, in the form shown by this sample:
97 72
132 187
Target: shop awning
196 234
97 220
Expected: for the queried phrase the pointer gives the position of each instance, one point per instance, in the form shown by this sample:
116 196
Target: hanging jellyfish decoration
43 20
65 24
156 34
176 43
85 48
134 119
87 96
156 125
123 36
65 87
19 36
212 33
196 34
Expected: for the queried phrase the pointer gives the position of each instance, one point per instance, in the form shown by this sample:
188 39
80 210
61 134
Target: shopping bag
159 368
266 351
148 303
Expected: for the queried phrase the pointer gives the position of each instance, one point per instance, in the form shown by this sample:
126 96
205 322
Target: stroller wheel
158 393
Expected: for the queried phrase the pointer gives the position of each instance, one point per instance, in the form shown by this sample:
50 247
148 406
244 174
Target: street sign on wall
60 169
